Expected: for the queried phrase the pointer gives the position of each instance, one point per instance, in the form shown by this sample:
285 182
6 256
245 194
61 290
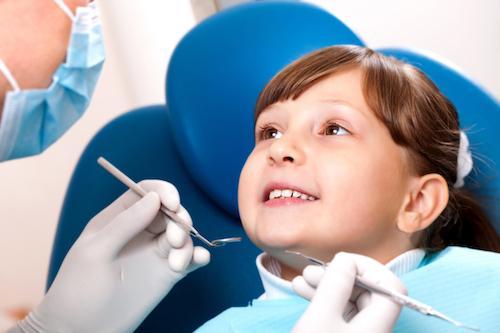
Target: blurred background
140 37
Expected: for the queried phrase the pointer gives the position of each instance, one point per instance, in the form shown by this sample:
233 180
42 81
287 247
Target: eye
334 129
267 132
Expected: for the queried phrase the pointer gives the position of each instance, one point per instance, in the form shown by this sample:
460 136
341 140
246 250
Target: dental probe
172 215
394 295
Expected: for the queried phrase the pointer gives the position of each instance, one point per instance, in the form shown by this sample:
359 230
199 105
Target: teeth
274 194
287 193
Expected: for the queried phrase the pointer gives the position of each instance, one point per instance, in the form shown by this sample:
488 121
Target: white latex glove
337 305
120 267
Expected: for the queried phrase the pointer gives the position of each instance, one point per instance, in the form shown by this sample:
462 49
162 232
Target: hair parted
418 117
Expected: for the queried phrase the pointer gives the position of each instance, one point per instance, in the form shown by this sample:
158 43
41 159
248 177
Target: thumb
335 289
129 223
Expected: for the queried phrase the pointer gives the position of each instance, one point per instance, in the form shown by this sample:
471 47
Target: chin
274 233
277 237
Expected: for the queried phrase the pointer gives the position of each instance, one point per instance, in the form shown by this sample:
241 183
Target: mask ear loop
64 7
8 75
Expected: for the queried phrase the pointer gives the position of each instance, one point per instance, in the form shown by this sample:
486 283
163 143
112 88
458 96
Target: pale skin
329 144
34 36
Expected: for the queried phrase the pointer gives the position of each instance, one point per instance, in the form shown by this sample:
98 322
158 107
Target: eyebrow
274 107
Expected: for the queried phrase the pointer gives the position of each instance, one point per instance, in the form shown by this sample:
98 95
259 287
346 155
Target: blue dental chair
214 77
200 138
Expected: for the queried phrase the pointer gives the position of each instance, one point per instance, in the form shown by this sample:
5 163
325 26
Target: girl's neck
288 273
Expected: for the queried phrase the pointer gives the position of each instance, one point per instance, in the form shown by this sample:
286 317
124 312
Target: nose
286 150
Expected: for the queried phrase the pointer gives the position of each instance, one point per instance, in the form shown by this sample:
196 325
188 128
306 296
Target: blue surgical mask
34 119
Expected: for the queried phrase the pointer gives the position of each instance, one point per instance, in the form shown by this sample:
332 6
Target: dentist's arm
123 264
338 306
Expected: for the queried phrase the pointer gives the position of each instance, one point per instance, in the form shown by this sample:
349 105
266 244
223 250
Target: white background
140 36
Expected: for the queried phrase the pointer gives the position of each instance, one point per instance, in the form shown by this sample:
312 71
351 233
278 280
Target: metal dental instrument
395 296
140 191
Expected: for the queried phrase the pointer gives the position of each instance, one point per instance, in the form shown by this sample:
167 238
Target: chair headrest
216 73
479 116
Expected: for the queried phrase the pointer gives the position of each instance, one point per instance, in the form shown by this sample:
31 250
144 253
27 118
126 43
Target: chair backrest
149 153
213 79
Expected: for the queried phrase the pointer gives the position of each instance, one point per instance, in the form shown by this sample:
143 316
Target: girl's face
324 176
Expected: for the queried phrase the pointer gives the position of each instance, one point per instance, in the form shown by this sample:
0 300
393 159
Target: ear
425 200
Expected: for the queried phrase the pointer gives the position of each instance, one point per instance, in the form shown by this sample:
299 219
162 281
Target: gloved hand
125 261
337 305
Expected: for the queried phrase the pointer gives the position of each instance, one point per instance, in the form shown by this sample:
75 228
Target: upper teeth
286 193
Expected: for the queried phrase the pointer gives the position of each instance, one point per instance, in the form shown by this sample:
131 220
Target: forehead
344 87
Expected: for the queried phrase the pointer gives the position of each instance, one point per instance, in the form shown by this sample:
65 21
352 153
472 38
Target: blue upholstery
149 153
479 115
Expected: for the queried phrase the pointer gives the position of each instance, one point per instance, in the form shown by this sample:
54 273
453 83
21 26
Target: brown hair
418 117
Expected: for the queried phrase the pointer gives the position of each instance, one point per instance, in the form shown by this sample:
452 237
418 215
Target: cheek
361 188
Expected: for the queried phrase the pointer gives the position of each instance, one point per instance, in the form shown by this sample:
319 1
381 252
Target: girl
359 152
